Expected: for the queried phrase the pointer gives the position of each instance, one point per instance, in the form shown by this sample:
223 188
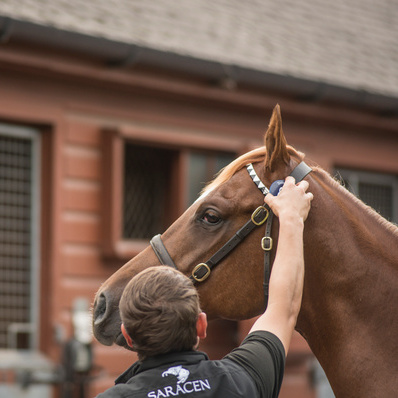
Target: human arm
291 206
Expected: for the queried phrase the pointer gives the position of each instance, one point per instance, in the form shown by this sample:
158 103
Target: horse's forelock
228 171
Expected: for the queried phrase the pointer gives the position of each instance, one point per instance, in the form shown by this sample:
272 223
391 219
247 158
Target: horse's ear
275 142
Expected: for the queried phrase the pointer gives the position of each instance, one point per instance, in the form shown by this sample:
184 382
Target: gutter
116 54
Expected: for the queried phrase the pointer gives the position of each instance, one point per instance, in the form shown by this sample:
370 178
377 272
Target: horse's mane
256 155
336 185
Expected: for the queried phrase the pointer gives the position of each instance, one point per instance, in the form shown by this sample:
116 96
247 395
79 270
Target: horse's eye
211 217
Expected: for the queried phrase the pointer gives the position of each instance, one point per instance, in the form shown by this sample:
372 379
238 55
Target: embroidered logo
182 387
178 371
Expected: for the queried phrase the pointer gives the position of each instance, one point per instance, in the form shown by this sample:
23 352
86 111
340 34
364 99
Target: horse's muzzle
106 323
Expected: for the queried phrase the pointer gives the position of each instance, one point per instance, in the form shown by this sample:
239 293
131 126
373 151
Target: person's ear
126 336
201 325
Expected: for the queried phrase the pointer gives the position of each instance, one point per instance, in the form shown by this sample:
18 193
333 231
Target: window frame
183 141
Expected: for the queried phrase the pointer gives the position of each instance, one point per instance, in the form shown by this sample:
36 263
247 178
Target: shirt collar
182 358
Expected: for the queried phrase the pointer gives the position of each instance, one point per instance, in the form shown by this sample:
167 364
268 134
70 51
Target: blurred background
113 115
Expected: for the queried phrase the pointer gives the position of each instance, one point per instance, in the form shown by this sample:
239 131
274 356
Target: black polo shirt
253 370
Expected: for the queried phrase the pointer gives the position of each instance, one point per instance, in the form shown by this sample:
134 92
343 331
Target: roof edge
116 54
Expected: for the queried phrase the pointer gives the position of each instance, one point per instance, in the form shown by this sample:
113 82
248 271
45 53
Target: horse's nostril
100 309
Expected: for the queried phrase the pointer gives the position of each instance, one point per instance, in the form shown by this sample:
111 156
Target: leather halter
261 215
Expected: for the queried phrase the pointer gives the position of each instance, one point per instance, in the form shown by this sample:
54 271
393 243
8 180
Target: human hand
293 201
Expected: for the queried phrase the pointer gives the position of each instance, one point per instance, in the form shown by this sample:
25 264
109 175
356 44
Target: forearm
286 283
291 206
287 277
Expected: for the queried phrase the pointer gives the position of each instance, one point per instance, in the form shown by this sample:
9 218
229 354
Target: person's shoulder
264 337
256 347
262 356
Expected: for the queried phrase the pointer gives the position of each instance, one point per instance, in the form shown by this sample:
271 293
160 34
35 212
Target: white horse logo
178 371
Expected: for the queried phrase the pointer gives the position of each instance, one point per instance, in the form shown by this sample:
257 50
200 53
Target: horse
349 311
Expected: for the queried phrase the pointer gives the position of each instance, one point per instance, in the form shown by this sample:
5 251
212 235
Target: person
163 323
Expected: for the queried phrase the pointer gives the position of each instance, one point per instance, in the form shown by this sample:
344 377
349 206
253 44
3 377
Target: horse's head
234 290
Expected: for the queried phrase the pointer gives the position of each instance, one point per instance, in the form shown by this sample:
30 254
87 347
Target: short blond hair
159 309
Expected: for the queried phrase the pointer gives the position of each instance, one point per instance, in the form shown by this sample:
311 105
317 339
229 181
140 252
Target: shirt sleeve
262 355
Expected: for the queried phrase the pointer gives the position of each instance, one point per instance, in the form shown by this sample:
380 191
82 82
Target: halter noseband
263 214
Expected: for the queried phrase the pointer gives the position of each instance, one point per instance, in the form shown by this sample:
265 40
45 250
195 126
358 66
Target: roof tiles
352 43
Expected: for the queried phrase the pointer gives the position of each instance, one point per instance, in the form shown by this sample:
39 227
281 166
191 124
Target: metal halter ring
256 212
266 243
205 276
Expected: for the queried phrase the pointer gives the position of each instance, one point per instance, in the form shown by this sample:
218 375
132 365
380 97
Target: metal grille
15 237
147 172
380 197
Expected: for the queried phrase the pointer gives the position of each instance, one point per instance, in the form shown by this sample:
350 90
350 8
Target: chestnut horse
349 313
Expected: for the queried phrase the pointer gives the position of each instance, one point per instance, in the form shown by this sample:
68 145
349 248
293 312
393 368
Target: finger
290 180
303 184
268 198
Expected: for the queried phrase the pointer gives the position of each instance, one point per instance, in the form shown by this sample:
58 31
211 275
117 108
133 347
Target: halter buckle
266 243
257 212
197 269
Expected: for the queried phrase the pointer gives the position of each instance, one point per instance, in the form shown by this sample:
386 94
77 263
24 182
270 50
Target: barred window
380 191
150 177
148 181
147 176
18 222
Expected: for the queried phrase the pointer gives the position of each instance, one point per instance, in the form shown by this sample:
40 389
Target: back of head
159 309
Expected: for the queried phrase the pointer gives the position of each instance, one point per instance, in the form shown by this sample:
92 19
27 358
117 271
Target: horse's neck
349 312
